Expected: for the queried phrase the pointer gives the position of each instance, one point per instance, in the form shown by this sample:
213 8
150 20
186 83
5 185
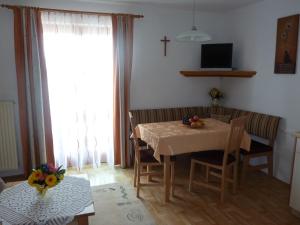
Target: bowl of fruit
193 122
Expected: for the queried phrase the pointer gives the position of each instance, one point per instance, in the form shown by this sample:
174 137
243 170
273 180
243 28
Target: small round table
70 199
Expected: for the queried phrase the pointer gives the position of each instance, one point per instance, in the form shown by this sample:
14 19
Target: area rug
117 204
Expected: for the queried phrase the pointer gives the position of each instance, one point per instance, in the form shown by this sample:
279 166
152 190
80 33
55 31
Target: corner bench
260 125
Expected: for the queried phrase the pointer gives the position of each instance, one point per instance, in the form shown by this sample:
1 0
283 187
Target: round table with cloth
22 204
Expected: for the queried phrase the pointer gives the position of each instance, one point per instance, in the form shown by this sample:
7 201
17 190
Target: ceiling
201 5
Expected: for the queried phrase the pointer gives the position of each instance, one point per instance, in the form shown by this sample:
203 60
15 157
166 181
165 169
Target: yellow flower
31 180
37 174
51 180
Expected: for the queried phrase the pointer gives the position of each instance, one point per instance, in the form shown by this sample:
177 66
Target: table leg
167 177
83 220
149 178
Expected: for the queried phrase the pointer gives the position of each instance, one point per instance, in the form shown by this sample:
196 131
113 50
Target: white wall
8 80
254 33
155 79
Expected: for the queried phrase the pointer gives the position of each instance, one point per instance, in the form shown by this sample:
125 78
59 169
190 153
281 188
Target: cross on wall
165 41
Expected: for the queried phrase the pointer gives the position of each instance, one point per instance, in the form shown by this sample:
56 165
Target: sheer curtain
79 60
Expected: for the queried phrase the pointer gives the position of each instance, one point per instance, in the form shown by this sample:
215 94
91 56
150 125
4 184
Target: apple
196 118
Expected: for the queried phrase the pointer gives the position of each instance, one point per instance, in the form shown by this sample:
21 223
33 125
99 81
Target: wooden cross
165 41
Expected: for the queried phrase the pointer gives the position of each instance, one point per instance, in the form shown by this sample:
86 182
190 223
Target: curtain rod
70 11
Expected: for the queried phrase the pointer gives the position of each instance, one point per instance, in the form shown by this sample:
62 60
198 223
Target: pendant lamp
193 35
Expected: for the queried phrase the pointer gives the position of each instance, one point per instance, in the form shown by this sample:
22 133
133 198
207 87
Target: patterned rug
117 204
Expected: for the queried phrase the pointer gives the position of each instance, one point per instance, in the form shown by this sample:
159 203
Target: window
79 60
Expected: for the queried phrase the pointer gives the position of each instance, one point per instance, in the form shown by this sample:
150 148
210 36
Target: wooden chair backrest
237 129
134 134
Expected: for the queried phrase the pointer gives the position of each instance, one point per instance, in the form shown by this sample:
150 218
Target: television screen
216 55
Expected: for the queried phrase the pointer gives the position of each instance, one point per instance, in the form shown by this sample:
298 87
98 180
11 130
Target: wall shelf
206 73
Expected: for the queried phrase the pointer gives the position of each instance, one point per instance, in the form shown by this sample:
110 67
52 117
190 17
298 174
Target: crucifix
165 41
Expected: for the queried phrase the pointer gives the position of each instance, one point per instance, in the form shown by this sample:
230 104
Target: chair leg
191 174
138 185
235 176
223 182
207 170
270 164
228 175
149 178
172 178
135 173
245 168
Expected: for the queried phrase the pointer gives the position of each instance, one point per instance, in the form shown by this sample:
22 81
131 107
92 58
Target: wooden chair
257 150
218 163
144 158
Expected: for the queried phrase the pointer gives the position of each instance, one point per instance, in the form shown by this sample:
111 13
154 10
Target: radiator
8 140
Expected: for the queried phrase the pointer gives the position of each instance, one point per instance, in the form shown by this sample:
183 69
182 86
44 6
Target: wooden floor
261 201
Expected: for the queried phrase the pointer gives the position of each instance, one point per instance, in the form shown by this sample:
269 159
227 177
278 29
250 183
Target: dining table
174 138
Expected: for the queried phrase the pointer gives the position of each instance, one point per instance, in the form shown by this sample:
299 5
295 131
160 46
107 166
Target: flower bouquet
215 95
44 177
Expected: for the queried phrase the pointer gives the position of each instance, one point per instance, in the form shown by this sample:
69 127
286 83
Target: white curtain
79 60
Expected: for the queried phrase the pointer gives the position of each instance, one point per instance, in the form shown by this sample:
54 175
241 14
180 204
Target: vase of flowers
44 177
215 95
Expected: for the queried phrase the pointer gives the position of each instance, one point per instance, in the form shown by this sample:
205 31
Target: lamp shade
193 35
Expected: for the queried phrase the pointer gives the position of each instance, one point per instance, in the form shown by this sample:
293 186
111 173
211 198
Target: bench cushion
259 124
263 125
256 148
147 156
141 143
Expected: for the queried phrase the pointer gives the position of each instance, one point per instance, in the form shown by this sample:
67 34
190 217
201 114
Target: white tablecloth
22 205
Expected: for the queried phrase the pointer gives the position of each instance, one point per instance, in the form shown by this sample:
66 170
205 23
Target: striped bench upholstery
260 125
167 114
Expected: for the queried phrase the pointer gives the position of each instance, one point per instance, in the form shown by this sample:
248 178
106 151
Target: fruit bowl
197 125
193 122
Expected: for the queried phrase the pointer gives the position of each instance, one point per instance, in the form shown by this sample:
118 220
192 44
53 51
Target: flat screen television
216 56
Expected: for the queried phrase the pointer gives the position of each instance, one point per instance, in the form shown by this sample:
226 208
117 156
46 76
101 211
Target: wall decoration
165 41
286 46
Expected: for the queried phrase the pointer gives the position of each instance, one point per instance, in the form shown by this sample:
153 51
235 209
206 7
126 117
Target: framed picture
286 46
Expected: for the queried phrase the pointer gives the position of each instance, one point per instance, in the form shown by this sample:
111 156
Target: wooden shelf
206 73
